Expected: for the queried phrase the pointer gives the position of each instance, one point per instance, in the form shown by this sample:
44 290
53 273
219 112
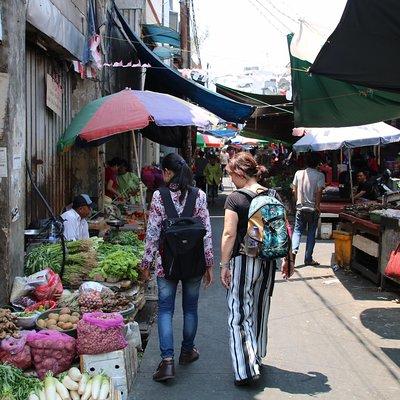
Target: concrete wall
12 137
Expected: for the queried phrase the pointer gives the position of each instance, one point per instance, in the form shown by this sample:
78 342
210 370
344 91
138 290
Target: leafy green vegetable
14 385
119 264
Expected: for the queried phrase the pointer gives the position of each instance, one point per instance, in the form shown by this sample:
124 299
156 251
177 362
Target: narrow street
332 335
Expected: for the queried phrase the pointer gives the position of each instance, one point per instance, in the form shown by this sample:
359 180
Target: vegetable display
63 320
120 264
8 324
100 333
72 385
90 257
14 385
52 351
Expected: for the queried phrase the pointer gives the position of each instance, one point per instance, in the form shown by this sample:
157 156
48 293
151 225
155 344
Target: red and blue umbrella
131 110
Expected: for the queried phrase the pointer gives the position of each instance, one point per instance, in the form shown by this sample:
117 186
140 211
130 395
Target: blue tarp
222 133
162 78
162 34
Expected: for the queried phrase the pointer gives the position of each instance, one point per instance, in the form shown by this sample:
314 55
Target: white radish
88 391
33 396
96 385
69 383
74 395
82 384
41 395
104 389
61 390
75 374
50 388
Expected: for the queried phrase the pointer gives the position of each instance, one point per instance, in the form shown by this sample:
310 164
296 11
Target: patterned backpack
267 235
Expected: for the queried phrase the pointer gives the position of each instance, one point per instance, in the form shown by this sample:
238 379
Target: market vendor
111 182
74 220
365 189
128 182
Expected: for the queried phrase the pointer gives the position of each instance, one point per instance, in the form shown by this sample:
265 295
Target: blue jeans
305 220
166 306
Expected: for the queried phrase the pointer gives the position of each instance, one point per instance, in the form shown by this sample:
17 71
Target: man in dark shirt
365 189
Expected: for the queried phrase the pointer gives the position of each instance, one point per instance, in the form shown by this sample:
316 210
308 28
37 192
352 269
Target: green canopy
262 138
324 102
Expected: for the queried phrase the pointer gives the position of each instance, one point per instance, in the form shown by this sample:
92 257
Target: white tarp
315 28
321 139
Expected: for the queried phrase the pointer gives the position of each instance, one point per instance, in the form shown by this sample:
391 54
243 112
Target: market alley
331 335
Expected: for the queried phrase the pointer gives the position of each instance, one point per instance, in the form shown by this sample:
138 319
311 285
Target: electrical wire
281 12
274 16
266 17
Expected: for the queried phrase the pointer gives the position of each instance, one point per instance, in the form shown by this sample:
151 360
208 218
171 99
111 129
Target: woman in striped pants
249 281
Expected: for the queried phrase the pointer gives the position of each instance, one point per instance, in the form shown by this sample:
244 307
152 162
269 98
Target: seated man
75 224
365 189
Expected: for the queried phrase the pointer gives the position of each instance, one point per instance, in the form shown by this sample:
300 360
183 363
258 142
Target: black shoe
188 357
247 381
165 371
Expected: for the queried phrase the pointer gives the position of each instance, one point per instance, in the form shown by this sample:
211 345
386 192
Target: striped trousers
249 299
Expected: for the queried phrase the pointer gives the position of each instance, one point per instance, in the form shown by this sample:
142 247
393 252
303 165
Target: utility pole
185 33
186 63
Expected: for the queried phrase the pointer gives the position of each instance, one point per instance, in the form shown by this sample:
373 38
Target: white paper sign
3 162
17 162
53 95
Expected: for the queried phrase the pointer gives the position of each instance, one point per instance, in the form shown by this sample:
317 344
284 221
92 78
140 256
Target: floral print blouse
157 215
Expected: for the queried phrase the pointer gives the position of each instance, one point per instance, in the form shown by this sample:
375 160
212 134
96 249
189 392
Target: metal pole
351 176
138 169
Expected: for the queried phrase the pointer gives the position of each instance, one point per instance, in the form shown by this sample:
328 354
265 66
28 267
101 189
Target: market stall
72 324
344 139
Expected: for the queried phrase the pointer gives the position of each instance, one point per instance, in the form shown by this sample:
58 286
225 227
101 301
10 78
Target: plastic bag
16 352
23 285
100 333
44 304
94 287
51 289
51 351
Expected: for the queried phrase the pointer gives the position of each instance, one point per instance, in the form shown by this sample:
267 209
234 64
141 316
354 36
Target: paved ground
332 336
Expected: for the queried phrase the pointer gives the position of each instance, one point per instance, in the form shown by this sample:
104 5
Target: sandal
312 263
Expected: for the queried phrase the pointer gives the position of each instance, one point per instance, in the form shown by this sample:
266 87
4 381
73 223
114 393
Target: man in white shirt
74 220
308 185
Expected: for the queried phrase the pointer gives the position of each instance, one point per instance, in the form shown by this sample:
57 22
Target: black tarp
364 49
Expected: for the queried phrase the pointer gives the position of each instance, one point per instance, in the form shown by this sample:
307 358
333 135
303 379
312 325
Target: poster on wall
53 95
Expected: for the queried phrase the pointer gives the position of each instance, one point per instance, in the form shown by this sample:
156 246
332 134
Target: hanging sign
53 95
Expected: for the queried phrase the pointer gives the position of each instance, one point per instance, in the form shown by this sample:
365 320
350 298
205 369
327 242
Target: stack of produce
81 259
107 302
73 385
63 321
52 351
362 210
8 325
118 258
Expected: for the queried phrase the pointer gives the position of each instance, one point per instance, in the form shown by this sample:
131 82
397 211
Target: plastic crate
120 365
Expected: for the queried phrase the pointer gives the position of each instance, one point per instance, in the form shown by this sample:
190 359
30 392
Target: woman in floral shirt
178 178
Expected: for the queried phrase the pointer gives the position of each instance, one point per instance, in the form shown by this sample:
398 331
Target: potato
53 316
51 321
73 319
76 314
68 325
65 310
61 324
41 323
64 318
53 327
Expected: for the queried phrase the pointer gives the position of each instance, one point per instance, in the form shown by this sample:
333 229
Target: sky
239 33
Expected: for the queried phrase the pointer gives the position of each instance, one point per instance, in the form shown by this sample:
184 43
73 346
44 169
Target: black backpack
182 239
